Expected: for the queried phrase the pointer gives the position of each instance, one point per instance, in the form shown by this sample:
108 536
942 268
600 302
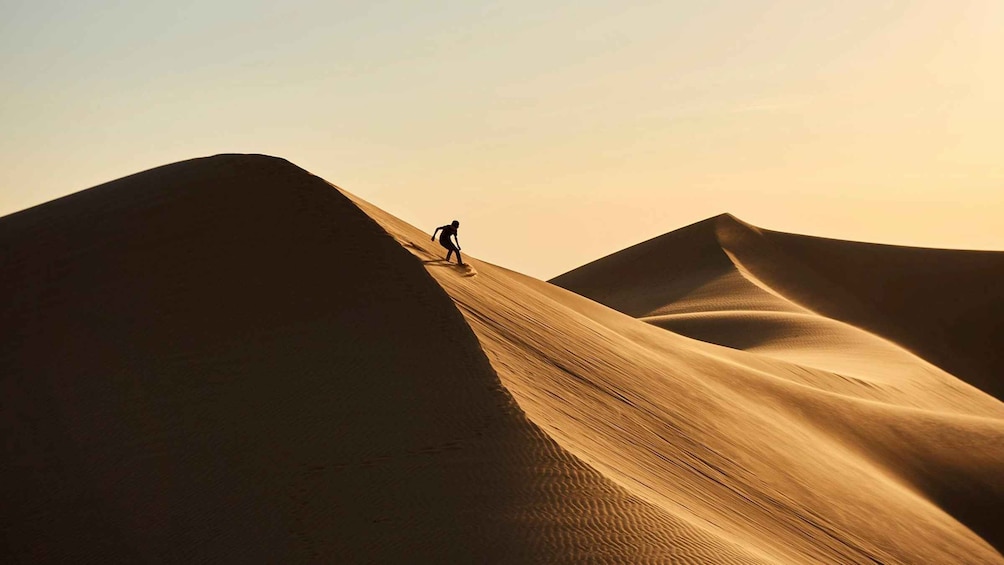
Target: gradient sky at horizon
557 132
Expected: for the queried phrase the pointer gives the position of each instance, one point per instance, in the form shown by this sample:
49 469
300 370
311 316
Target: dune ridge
224 360
229 358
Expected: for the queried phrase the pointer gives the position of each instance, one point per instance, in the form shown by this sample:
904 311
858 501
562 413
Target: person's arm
456 238
433 238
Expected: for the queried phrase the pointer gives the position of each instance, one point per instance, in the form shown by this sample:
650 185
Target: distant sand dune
227 359
941 304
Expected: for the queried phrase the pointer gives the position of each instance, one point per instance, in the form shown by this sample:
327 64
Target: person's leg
448 248
460 261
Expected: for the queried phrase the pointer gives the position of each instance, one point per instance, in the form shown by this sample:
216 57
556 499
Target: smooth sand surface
228 359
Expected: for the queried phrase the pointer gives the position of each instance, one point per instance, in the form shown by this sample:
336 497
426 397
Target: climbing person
445 241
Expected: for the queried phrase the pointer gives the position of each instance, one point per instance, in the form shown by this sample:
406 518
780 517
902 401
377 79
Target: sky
556 132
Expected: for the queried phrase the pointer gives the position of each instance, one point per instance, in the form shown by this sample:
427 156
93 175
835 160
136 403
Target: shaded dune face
945 305
228 359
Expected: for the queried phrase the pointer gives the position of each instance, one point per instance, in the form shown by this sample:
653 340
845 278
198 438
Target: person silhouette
445 241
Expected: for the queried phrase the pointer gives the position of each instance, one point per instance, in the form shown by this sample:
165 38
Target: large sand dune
230 359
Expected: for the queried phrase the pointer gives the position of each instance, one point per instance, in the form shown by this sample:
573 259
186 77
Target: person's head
455 224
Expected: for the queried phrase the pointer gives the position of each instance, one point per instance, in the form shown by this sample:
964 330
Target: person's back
449 231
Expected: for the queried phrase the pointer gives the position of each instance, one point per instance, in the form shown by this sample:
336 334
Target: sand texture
230 360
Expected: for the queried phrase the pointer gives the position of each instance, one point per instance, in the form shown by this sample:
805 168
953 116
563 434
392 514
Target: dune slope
224 360
943 304
795 463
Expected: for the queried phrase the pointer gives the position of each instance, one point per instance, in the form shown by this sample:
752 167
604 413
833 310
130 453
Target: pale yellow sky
556 132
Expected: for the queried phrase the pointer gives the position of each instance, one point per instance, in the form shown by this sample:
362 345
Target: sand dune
940 304
229 359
